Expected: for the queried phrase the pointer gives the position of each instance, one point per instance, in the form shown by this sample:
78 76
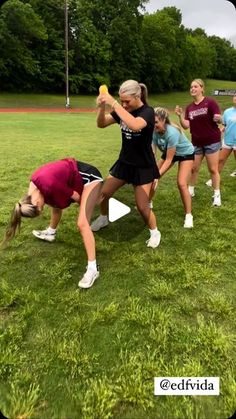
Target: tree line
109 42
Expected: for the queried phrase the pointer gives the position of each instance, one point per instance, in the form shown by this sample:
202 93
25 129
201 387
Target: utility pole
66 56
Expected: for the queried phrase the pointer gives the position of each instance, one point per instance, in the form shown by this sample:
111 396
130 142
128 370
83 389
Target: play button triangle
116 209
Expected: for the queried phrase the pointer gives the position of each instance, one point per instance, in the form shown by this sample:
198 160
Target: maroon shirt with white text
204 130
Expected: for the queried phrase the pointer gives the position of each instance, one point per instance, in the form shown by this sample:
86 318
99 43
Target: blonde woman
202 116
175 147
136 164
59 184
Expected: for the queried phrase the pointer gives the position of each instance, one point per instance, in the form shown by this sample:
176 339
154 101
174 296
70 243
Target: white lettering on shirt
197 112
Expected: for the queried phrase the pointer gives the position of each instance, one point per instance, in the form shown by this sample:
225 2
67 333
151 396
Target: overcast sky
216 17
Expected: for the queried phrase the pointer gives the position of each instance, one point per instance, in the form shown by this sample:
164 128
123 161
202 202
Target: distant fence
224 92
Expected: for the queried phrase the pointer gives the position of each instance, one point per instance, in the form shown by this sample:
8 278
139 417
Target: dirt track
70 110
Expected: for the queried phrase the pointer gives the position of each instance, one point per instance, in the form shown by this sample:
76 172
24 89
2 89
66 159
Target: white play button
116 210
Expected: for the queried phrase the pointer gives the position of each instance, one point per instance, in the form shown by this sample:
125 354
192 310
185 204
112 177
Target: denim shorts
207 149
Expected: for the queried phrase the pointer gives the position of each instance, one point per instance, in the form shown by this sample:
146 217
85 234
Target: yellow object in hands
103 89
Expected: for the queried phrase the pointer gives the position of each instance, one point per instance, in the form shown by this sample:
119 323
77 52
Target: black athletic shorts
89 173
179 158
134 175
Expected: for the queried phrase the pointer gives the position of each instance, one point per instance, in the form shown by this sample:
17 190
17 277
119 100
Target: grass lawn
67 353
9 100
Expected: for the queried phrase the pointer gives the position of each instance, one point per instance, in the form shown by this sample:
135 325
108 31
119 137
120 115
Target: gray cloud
216 17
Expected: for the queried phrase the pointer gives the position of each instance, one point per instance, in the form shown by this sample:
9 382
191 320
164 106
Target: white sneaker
188 222
99 223
44 235
191 190
154 241
209 183
88 278
233 174
216 200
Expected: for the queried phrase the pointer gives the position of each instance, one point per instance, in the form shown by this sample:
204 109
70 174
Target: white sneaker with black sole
88 279
216 200
44 235
233 174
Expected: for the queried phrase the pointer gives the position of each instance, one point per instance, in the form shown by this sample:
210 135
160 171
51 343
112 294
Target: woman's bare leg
213 167
184 172
195 169
110 186
142 194
56 214
89 198
224 154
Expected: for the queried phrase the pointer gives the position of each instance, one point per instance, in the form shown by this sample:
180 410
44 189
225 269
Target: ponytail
23 208
133 88
144 93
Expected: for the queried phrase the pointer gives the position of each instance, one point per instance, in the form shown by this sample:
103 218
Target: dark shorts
89 173
179 158
134 175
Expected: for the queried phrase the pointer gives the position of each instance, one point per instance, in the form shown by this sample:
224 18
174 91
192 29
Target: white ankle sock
51 230
153 232
92 264
191 189
216 192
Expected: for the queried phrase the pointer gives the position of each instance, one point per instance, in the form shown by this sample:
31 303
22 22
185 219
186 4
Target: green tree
107 44
50 51
204 54
20 26
225 62
159 42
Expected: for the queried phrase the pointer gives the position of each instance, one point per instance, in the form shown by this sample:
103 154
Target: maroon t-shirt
57 181
204 130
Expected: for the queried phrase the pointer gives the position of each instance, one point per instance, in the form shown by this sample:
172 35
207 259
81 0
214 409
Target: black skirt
134 175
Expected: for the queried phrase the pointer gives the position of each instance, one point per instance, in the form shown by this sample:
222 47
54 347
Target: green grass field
67 353
9 100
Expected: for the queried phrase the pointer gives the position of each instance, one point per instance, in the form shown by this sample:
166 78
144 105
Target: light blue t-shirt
229 120
173 138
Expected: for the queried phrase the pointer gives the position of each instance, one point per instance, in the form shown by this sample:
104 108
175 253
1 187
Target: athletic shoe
154 241
44 235
88 278
209 183
188 222
191 190
233 174
99 223
216 200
